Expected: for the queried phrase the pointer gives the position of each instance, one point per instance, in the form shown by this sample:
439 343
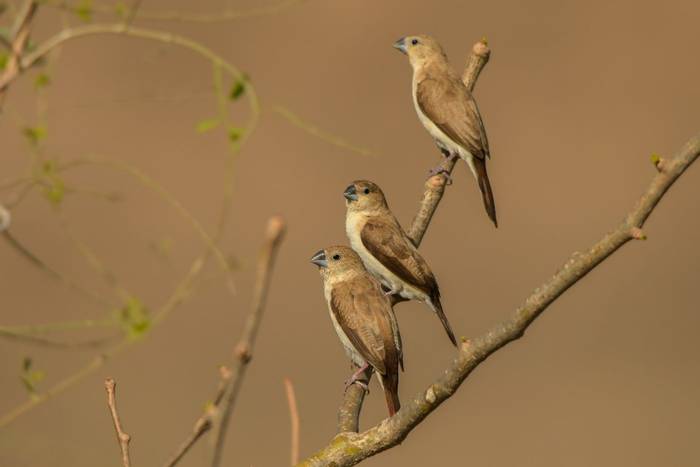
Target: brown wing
452 108
363 312
390 246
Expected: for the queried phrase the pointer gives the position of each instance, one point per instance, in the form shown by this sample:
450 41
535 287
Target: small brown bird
386 250
448 110
363 318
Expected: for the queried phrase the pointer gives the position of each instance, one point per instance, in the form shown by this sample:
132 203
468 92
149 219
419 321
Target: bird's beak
350 193
319 259
400 45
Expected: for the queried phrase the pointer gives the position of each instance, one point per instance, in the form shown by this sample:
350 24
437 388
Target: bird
447 109
386 251
363 319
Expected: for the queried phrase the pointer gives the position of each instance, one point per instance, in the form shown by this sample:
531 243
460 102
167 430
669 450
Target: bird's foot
440 170
356 379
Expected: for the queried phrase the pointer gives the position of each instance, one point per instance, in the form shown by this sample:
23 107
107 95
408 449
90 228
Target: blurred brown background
575 99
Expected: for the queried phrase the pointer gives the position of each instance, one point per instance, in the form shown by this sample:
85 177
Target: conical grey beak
319 259
400 45
350 193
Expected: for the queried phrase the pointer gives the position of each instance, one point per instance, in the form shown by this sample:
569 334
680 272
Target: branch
294 420
122 437
218 413
350 408
19 36
244 349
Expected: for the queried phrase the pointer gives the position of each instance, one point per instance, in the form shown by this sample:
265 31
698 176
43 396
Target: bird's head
363 195
337 262
420 49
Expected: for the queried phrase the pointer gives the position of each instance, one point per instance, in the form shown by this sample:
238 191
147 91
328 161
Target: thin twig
19 38
204 422
244 349
122 437
293 419
350 448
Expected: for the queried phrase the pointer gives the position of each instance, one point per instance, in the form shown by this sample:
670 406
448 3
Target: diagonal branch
19 37
350 408
122 437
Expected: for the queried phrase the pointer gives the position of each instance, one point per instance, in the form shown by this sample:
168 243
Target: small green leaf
30 377
34 134
121 10
4 58
84 10
134 319
55 191
234 134
237 89
42 80
207 125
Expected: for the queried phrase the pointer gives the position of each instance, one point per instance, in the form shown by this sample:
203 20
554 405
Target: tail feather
390 384
437 307
482 178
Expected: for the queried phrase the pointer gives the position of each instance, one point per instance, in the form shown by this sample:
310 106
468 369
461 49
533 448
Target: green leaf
4 57
42 80
121 10
237 89
207 125
235 133
55 191
34 134
84 10
29 377
134 319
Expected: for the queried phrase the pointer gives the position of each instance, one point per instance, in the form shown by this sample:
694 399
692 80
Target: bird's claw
360 383
440 170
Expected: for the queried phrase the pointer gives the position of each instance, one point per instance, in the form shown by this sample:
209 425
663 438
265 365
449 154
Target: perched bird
448 110
386 250
363 318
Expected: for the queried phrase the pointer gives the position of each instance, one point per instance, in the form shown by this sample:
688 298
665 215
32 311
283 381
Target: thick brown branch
351 406
122 437
351 448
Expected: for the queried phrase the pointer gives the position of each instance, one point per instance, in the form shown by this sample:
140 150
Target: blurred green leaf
55 191
34 134
121 10
207 125
4 57
234 134
84 10
238 88
42 80
134 318
30 377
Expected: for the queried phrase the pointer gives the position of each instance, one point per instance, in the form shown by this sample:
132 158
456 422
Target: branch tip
481 48
276 227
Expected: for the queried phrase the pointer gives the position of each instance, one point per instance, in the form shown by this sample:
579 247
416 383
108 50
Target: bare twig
349 412
122 437
294 420
244 349
204 422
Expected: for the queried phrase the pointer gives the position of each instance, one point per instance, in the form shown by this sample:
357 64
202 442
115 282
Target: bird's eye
414 41
366 191
336 257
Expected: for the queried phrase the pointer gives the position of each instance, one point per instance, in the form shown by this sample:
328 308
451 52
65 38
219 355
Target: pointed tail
437 308
482 178
390 383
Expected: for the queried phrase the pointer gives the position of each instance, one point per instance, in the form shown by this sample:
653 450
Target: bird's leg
355 378
440 170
